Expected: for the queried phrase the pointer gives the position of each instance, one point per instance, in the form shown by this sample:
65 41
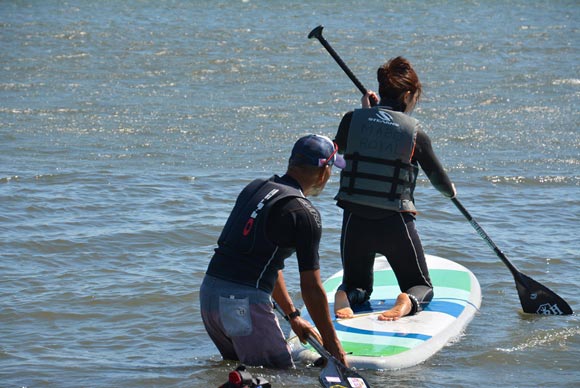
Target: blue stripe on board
340 327
449 308
439 306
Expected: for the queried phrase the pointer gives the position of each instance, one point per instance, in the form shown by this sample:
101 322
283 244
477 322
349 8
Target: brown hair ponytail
395 78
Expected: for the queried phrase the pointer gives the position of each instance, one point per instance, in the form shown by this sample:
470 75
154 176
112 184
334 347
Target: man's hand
314 298
335 348
303 329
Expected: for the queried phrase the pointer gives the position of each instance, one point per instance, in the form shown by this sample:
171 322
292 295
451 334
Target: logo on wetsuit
250 222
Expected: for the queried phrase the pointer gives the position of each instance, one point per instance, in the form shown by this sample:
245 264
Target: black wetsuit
367 231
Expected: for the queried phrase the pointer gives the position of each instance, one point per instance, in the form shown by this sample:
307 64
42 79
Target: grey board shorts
242 324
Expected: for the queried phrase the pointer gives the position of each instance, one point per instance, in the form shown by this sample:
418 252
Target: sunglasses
330 160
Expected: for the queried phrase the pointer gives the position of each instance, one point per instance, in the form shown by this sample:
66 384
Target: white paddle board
388 345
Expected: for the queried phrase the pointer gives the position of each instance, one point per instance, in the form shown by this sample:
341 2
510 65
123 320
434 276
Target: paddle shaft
312 341
534 297
528 288
486 237
317 33
318 347
333 367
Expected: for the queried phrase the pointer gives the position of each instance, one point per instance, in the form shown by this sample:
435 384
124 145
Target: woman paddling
383 147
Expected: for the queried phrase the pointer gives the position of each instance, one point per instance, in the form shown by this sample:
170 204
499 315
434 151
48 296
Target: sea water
127 130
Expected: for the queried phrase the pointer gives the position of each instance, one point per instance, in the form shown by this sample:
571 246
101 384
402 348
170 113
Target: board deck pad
388 345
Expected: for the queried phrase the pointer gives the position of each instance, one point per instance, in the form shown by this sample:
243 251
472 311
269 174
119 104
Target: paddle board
388 345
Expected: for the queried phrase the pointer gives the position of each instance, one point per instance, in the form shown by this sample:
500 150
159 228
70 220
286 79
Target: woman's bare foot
401 308
342 308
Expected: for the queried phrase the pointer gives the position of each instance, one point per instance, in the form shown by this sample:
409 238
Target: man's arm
301 327
316 302
281 295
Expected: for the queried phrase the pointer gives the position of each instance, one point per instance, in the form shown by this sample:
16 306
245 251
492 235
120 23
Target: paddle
534 297
317 33
334 373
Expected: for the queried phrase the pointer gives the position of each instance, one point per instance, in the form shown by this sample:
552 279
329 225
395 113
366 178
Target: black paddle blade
539 299
335 375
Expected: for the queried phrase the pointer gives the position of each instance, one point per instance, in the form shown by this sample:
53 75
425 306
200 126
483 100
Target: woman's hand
370 99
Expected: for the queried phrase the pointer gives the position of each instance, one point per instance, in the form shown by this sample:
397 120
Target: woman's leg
407 258
357 262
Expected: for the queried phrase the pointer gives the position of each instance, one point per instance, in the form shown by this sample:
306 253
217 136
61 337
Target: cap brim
339 161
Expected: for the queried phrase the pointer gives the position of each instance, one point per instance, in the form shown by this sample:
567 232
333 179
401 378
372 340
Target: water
128 128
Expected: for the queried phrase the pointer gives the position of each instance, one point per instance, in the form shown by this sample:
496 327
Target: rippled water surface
128 128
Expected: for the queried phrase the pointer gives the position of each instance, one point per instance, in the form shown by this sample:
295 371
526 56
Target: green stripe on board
440 277
332 284
370 350
450 278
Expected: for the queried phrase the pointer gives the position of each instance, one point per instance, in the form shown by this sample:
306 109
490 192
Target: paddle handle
317 33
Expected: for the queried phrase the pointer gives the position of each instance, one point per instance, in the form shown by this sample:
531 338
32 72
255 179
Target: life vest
379 172
245 254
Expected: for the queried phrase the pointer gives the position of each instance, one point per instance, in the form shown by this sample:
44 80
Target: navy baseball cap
316 150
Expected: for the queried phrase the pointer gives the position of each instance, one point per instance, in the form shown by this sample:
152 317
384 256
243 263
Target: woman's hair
396 77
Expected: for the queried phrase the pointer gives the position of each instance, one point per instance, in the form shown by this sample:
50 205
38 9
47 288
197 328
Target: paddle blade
335 374
539 299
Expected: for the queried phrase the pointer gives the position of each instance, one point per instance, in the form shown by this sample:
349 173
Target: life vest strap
373 193
375 177
354 158
395 185
394 180
357 157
